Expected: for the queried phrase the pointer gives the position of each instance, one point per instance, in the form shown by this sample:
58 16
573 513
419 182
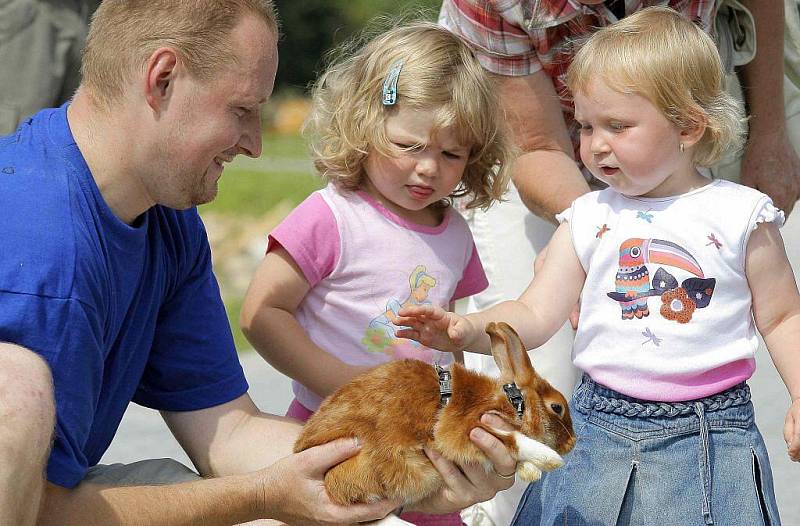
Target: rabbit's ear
510 354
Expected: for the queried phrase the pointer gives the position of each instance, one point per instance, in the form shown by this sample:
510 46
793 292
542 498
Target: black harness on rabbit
511 390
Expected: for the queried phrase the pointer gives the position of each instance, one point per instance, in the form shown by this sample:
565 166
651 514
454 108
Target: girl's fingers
417 310
456 334
409 334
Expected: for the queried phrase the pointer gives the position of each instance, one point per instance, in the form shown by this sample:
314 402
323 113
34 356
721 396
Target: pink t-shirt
364 263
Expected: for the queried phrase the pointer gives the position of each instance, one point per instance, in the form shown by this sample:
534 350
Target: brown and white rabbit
395 409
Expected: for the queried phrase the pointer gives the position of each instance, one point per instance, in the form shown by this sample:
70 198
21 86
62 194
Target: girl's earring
682 147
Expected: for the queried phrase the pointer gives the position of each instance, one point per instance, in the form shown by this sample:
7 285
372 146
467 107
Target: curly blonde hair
663 56
439 74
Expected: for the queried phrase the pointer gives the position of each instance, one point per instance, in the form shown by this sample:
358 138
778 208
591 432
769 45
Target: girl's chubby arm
536 315
269 323
776 309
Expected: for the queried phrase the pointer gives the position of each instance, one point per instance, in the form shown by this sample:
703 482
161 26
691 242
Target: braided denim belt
608 401
598 398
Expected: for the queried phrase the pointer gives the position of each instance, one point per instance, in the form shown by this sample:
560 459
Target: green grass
251 188
250 193
287 146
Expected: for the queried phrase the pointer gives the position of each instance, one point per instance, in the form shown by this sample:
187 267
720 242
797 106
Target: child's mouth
609 170
420 192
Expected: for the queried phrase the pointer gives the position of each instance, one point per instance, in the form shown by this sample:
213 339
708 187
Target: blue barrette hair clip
390 84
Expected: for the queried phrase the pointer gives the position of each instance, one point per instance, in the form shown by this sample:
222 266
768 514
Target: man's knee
26 395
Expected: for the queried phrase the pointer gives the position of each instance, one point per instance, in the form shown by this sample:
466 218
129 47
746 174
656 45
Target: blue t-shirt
119 312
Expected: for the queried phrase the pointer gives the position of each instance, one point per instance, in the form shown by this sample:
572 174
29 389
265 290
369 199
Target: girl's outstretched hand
435 327
791 431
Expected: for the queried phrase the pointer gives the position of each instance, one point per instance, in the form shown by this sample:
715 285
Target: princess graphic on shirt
380 334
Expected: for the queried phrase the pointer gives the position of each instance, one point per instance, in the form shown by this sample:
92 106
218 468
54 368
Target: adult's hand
469 483
294 489
771 165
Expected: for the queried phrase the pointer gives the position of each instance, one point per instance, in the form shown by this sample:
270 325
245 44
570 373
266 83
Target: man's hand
771 165
468 484
294 489
436 328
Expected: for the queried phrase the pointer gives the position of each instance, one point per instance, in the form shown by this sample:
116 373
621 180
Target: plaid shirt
520 37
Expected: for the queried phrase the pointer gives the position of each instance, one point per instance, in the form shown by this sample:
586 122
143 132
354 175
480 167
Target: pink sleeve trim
311 236
474 278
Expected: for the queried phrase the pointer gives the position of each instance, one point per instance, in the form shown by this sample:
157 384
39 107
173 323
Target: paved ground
144 435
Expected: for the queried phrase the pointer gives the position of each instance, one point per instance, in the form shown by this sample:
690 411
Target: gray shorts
143 473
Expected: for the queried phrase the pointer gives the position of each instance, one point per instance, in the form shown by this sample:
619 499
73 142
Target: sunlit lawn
246 192
249 189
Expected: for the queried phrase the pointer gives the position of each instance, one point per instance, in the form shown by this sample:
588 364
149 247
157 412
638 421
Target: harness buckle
514 396
445 384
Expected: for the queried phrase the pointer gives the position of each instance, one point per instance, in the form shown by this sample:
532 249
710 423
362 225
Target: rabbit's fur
395 410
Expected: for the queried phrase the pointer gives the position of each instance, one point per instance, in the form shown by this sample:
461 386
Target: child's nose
599 144
427 165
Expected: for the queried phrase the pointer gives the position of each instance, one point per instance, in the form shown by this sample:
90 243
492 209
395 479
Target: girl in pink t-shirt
399 128
675 272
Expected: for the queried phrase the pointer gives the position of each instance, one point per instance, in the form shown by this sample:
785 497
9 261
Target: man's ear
160 73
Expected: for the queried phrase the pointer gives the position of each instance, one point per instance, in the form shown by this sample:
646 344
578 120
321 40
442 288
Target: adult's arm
230 444
770 162
545 174
26 432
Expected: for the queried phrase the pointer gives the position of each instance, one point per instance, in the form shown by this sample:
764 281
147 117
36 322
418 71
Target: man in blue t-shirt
107 294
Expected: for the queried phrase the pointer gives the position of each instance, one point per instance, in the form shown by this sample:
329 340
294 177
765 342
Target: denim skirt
636 462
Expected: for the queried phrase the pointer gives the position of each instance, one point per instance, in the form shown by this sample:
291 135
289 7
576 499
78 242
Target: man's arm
27 416
215 501
770 162
232 438
230 442
545 174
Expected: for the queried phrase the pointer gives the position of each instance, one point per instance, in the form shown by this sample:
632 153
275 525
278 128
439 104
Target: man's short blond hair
124 33
661 55
439 74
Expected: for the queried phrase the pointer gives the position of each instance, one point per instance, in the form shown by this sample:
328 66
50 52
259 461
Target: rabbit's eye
557 408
